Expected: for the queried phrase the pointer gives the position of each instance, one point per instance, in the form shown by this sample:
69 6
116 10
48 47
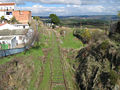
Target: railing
8 52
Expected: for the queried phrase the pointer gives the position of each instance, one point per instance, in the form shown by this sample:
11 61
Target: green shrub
113 77
53 26
13 20
2 18
83 34
104 45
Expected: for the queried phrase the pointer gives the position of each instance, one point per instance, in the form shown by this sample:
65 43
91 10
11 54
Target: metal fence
11 51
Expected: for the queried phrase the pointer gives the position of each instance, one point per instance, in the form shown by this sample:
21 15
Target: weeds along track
52 75
57 80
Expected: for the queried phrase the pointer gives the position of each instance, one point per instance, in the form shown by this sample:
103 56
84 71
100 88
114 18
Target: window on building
8 13
23 26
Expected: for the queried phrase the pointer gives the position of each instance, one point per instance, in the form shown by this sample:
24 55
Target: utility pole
36 25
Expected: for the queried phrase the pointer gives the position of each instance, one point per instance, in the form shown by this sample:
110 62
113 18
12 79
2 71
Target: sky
68 7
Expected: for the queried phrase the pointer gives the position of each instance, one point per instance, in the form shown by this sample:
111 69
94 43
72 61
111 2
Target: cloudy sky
68 7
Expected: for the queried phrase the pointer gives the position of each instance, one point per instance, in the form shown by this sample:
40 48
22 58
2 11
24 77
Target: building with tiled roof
8 11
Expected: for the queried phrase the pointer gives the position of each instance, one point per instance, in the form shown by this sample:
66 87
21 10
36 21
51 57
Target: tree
13 20
37 18
2 18
54 19
119 13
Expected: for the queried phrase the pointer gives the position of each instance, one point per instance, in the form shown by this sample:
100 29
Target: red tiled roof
2 4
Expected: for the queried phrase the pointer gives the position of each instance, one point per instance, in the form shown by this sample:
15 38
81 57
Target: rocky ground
99 64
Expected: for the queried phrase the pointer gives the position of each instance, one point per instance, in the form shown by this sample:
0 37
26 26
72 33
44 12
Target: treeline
83 22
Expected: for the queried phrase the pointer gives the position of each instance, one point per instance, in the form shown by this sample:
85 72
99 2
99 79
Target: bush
104 45
113 76
83 34
53 26
2 18
13 20
37 18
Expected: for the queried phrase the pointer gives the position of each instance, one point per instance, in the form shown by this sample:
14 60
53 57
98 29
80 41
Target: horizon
76 15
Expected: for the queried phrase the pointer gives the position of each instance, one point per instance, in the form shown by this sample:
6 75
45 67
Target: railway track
57 79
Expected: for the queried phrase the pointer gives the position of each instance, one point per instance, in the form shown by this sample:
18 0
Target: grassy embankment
69 42
31 58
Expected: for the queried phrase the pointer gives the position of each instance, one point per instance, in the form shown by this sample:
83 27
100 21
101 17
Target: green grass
37 69
36 52
69 41
54 57
57 65
4 60
32 57
45 85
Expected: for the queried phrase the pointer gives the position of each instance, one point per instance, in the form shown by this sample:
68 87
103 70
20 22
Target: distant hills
101 17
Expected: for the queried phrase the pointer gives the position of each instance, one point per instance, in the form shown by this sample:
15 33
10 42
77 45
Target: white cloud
42 10
77 2
70 10
71 7
46 1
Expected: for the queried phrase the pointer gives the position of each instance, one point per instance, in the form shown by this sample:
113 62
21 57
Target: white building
13 26
22 36
6 10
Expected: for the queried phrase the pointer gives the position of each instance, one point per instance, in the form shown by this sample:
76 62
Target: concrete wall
22 26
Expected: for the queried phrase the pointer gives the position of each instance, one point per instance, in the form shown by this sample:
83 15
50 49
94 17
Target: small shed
8 42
